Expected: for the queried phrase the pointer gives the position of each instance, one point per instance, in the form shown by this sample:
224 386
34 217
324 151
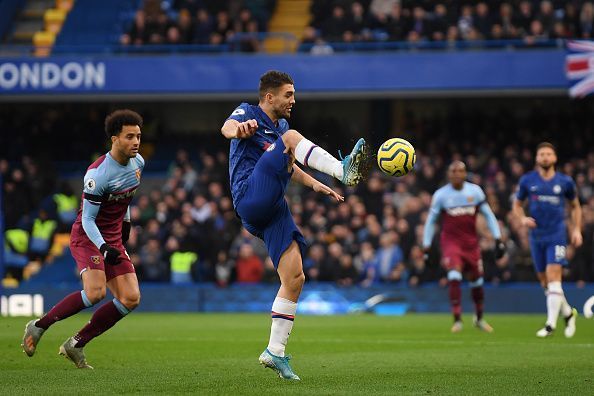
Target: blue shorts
548 252
263 210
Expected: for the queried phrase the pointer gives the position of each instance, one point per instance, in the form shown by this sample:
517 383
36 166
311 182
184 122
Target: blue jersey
546 203
244 153
108 190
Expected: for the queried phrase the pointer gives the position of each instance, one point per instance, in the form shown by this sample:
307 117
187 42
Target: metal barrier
290 42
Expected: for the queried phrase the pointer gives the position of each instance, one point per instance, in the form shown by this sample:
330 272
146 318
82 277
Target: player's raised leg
92 293
348 170
290 270
127 297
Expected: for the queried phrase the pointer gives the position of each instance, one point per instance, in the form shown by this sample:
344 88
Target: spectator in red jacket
249 267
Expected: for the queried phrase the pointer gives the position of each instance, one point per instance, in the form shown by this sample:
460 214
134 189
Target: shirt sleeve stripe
94 199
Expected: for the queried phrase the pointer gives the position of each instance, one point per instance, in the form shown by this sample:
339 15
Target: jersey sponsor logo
237 112
461 211
552 199
271 147
117 197
95 259
91 184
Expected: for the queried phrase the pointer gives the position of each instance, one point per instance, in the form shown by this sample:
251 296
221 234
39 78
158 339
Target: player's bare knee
131 301
301 278
298 281
291 138
95 294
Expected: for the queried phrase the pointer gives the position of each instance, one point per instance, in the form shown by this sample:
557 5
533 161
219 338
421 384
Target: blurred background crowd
242 24
185 228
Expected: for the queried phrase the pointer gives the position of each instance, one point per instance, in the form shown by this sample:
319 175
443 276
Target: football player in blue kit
546 191
261 162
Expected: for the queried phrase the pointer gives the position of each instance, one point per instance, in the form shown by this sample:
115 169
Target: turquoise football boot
352 164
278 364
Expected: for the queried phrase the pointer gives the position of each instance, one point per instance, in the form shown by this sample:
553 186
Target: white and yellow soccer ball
396 157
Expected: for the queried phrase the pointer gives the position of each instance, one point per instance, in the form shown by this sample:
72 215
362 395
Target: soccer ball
396 157
588 308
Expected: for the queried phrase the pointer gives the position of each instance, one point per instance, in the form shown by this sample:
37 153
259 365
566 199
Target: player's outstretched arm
301 177
233 129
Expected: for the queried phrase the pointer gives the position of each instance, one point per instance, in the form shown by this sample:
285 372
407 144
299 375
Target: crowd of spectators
186 220
448 21
372 237
416 22
201 22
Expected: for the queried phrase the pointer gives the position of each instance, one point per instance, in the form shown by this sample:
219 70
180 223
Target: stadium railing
291 41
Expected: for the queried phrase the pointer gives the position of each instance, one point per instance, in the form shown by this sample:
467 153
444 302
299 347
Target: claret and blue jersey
458 210
245 153
108 190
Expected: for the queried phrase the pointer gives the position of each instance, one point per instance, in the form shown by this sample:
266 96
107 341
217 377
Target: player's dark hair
546 145
273 79
116 120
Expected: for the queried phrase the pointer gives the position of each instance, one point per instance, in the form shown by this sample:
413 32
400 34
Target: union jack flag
579 68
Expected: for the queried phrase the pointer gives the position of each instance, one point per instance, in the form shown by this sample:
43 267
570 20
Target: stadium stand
319 27
185 223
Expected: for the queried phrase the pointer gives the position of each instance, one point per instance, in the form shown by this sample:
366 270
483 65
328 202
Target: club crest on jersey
138 174
469 199
96 259
557 189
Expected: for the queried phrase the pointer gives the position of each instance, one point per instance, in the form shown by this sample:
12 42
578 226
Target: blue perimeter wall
388 72
321 298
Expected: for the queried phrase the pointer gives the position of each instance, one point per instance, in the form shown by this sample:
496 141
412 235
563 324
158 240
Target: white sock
315 157
554 301
565 307
283 314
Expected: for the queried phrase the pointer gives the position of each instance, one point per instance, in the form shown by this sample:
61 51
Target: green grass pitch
342 355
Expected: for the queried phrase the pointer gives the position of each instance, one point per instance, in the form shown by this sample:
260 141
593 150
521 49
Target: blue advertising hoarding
235 73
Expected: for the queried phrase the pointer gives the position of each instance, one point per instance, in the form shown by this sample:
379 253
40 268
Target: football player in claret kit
547 192
458 204
261 163
97 242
